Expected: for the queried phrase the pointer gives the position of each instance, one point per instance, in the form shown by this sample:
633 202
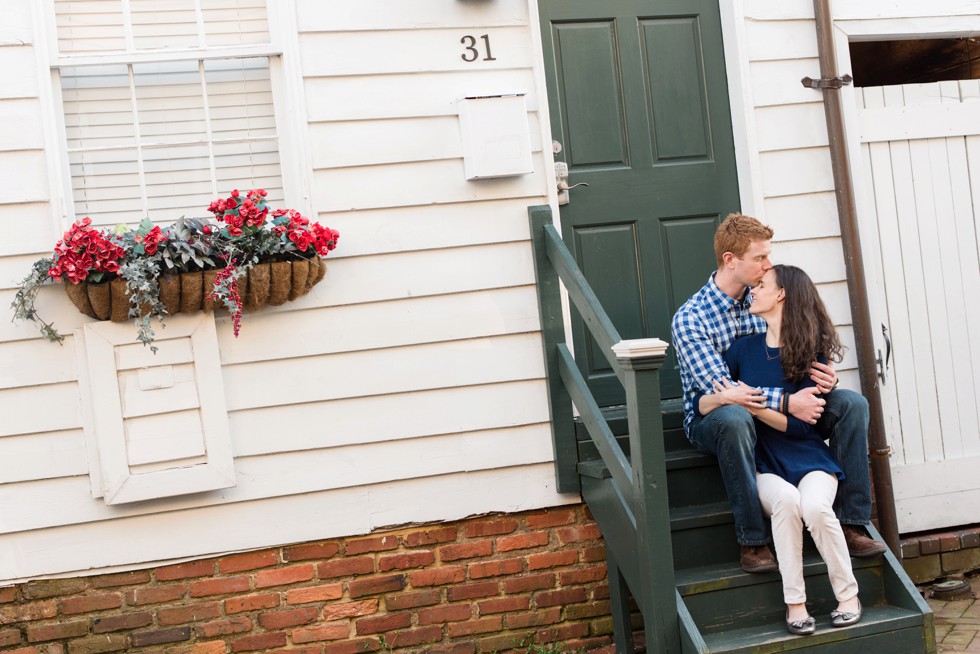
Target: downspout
857 287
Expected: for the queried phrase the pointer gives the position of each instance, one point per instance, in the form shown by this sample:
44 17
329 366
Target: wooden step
709 578
882 630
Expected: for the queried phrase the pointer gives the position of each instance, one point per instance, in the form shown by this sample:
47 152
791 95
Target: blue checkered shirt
703 329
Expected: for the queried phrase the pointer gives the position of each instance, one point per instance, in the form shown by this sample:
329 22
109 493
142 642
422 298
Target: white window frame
295 157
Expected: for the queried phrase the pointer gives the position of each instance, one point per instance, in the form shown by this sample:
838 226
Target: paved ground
958 622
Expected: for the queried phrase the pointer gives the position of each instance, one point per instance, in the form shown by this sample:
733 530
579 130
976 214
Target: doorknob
561 179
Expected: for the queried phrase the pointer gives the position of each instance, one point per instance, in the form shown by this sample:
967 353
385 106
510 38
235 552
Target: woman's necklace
771 358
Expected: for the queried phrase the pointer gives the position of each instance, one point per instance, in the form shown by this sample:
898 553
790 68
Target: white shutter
158 422
90 26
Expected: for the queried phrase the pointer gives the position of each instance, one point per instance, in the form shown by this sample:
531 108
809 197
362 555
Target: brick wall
480 585
927 557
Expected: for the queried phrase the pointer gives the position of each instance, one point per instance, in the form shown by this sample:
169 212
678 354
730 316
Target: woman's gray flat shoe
804 627
845 618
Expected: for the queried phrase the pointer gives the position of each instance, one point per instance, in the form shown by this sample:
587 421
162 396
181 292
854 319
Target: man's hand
824 376
807 405
741 394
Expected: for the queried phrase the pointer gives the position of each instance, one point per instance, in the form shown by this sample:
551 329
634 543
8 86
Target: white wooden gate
921 146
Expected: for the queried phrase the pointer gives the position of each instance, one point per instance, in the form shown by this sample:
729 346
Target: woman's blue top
800 449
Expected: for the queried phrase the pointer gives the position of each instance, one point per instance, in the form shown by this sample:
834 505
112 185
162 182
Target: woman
796 471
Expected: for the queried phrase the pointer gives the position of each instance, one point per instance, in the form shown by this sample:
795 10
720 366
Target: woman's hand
824 376
741 394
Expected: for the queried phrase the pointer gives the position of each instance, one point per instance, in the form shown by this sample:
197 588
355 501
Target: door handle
561 180
884 365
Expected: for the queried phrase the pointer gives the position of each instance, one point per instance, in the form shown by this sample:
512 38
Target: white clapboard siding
30 169
318 16
151 539
67 501
389 417
371 97
758 10
52 306
32 222
19 73
385 324
35 409
837 301
373 142
43 456
924 199
431 182
417 51
797 217
16 27
822 259
36 362
401 229
791 127
378 372
878 9
783 39
21 128
778 82
793 172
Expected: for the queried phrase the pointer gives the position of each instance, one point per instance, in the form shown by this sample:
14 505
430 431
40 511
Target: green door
639 103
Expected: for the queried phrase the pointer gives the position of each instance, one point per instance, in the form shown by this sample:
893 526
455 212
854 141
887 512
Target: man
703 329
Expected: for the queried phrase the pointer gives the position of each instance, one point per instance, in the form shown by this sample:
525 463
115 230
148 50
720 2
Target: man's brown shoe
859 545
757 558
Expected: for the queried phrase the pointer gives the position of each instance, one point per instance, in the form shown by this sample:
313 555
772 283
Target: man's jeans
728 432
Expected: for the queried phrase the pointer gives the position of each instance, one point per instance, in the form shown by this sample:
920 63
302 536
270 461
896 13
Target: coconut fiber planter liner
265 283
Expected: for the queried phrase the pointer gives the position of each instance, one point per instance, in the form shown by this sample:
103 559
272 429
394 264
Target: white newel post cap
640 348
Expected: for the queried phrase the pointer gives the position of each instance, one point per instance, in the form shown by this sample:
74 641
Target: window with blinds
167 105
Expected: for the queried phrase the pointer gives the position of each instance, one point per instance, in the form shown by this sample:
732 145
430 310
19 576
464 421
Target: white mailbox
496 136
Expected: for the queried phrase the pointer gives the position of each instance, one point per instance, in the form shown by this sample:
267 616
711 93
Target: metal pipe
857 288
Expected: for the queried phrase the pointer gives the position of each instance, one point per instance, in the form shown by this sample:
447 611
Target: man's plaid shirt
703 329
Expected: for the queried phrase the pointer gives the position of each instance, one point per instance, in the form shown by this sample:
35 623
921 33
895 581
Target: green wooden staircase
664 514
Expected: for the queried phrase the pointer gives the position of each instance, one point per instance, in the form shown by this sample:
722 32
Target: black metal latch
832 83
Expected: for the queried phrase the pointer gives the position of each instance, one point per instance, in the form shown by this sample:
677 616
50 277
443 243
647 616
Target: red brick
496 568
506 642
28 612
929 545
437 576
9 594
481 626
579 534
189 613
522 541
505 604
185 570
405 561
584 576
546 560
466 550
593 554
552 518
949 542
590 610
533 582
120 622
362 565
455 648
287 618
349 609
259 643
251 602
314 594
558 597
376 544
97 644
337 631
412 600
443 614
248 561
121 579
282 576
214 647
220 586
430 537
472 591
382 623
414 637
310 551
159 636
155 594
534 619
353 646
309 649
600 591
10 637
238 625
59 631
490 527
53 588
563 633
375 585
88 603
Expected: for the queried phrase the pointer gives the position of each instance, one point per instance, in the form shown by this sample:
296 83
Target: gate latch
825 83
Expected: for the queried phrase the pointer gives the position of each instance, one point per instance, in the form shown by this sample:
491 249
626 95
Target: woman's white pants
810 504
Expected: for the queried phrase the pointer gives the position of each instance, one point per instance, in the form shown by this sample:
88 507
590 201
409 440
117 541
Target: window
167 104
914 61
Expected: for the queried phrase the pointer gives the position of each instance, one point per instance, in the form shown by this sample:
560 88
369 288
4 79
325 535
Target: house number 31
472 48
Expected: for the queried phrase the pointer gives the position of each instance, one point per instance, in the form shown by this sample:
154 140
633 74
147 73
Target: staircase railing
640 479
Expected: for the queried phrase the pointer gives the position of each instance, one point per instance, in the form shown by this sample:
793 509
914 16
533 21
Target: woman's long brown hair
807 332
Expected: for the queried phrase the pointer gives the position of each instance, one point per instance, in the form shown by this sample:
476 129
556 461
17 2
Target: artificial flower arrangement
249 256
